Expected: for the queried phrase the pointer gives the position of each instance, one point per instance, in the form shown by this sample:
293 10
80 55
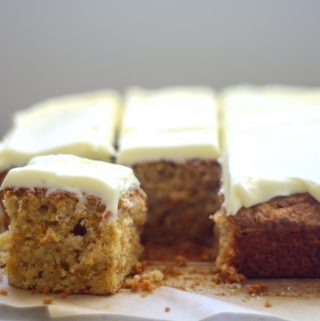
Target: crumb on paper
268 304
256 288
167 309
47 300
3 292
64 294
180 260
145 282
140 267
170 272
227 274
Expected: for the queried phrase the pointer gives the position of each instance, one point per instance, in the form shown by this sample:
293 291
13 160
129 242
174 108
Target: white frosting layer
270 152
82 125
171 109
175 146
169 124
76 175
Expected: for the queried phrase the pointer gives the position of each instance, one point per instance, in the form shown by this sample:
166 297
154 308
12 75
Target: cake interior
181 197
62 244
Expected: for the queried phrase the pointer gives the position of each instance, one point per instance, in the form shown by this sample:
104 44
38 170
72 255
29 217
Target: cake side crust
278 238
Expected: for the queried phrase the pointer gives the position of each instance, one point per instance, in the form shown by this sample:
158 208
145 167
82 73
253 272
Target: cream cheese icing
270 147
170 124
76 175
170 109
175 146
82 125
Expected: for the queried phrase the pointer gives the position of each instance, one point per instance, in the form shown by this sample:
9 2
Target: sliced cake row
268 224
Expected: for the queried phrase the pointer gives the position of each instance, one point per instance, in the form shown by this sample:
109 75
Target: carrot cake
170 138
75 224
269 224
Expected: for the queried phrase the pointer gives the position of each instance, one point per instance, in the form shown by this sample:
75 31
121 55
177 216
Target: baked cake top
269 135
79 176
169 124
82 124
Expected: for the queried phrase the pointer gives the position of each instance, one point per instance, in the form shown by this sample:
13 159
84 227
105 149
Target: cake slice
170 138
269 225
75 224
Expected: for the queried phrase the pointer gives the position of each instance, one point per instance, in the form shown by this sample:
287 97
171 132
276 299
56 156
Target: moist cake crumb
227 274
268 304
145 282
256 288
170 272
140 267
3 292
167 309
47 300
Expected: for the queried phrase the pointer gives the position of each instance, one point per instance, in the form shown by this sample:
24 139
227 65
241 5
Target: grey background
55 47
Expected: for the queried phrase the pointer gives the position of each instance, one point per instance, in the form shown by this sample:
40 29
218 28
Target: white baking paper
184 306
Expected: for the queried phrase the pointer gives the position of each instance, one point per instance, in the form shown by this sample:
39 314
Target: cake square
170 138
269 223
75 225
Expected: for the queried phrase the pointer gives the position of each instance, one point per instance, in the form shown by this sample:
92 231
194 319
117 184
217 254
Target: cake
83 124
75 224
170 138
269 224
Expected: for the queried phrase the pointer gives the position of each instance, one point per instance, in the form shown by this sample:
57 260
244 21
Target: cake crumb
145 282
256 288
180 260
170 272
167 309
47 300
268 304
64 294
227 274
3 292
140 267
